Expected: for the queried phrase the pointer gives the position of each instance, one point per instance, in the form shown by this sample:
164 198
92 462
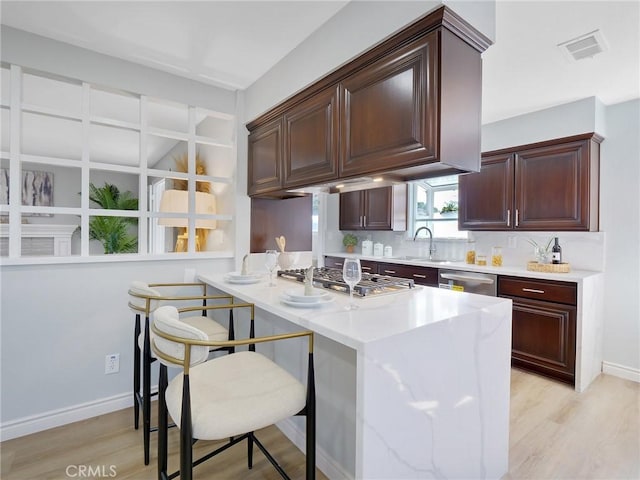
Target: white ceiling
232 44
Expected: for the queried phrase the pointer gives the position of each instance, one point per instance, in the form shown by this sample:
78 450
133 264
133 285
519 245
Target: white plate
234 277
292 303
239 275
297 295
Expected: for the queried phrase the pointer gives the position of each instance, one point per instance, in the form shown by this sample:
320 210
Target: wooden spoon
283 242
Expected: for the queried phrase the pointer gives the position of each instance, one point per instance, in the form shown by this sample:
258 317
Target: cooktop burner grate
331 278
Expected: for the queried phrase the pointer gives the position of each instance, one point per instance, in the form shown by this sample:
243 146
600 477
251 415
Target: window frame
415 221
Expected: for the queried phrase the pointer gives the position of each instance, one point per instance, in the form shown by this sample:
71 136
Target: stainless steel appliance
472 282
371 283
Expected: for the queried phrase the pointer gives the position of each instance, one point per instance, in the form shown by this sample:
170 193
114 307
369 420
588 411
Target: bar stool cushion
246 390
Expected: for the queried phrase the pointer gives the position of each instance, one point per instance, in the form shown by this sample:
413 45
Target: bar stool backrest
142 291
172 353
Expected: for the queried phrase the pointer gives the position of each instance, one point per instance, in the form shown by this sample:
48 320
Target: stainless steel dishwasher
472 282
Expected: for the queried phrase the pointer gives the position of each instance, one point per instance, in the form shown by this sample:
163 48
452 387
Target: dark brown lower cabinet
543 326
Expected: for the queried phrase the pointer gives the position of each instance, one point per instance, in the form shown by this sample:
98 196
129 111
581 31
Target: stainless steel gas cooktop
331 278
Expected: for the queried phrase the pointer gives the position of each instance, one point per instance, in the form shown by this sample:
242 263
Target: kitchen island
413 384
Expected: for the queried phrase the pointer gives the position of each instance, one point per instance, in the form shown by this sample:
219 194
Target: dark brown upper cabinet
390 114
311 140
546 186
383 208
409 108
265 158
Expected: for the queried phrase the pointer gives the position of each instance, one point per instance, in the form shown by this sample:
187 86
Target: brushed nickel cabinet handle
389 271
417 275
366 268
338 264
532 290
517 217
508 217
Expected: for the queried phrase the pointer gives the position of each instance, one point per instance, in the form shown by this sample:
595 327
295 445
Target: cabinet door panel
351 206
265 158
378 208
390 111
543 338
311 140
485 198
562 173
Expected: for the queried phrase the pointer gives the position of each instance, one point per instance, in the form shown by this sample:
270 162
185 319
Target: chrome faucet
432 249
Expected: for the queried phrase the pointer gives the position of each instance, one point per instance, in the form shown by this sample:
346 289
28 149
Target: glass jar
496 257
471 253
481 260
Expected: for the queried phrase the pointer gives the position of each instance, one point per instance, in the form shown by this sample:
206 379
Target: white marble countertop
517 271
376 318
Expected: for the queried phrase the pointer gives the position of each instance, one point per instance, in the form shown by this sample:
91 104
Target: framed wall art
37 188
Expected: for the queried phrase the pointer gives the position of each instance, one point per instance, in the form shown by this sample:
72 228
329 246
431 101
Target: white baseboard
63 416
621 371
324 462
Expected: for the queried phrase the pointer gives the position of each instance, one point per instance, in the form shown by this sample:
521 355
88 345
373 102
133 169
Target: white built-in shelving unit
74 134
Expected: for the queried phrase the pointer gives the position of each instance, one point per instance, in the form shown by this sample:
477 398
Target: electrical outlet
112 363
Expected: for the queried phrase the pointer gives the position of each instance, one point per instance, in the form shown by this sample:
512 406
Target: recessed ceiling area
233 43
224 43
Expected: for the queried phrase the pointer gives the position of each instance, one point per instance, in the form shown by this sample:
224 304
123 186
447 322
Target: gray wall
620 219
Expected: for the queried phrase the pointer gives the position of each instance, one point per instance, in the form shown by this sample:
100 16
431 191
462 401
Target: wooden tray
548 267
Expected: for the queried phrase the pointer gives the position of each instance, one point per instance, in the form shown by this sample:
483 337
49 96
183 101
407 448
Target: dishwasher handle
464 278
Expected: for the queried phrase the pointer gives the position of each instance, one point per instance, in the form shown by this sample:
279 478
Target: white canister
367 247
388 251
378 249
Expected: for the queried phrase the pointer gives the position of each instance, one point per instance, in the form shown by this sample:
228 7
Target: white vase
286 260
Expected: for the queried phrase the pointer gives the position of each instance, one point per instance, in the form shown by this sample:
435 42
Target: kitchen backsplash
583 250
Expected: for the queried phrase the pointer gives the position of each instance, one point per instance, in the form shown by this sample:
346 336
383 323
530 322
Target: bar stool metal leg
136 373
146 392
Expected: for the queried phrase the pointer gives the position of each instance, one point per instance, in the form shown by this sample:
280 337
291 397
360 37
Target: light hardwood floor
555 433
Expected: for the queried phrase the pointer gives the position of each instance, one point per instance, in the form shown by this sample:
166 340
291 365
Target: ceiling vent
584 46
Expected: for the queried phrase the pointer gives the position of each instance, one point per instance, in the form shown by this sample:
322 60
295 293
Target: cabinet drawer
420 275
368 266
333 262
548 290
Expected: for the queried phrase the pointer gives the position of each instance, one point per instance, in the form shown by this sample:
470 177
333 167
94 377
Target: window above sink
433 203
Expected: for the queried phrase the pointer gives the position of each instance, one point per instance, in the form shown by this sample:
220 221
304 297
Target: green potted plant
113 232
349 241
449 207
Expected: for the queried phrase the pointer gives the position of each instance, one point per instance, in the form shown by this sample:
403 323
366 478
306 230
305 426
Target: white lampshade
177 201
